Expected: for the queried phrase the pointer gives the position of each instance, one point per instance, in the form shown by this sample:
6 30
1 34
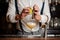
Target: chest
30 3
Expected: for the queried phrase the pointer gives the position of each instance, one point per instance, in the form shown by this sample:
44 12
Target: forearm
11 12
45 18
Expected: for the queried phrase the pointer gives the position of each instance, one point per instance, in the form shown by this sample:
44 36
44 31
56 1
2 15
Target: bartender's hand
23 14
36 12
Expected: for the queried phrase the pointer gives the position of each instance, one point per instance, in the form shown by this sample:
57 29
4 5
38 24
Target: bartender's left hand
36 12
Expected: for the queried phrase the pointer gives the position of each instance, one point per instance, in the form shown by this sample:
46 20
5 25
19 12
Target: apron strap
17 12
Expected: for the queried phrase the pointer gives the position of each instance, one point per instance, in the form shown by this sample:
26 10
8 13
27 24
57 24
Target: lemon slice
30 10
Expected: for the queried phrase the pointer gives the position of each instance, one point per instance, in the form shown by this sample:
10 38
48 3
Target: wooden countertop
53 38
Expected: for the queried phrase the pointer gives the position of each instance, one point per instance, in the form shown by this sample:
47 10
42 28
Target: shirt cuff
12 18
43 19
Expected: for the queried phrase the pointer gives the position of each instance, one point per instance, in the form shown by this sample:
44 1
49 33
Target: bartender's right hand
23 14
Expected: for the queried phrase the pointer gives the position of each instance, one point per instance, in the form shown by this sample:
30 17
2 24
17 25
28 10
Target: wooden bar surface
57 38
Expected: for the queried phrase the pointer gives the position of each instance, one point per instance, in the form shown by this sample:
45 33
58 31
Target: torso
29 3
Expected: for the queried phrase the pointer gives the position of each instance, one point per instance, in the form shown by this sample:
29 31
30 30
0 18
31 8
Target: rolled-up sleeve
11 11
46 13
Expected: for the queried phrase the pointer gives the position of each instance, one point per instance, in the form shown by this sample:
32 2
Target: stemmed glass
29 22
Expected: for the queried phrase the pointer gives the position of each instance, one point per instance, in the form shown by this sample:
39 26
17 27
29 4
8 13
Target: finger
37 17
26 10
17 17
36 13
35 8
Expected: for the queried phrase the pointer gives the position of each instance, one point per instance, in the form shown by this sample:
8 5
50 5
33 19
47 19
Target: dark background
3 11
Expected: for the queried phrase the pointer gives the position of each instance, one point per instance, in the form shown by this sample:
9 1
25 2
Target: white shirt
28 3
